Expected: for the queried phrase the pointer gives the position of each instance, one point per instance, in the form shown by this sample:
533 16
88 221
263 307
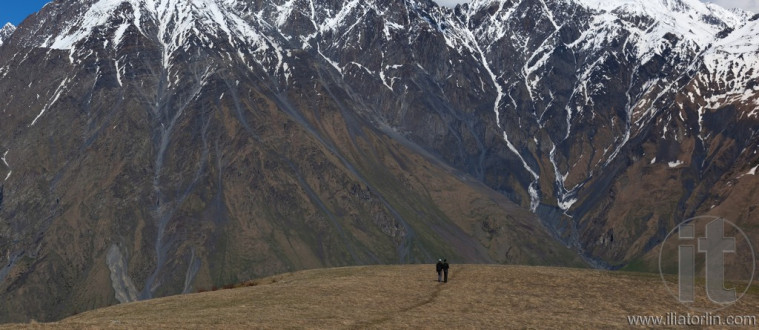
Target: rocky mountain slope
154 146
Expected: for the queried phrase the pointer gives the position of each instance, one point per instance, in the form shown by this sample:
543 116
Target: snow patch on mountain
731 64
178 25
53 100
98 14
5 161
694 22
675 163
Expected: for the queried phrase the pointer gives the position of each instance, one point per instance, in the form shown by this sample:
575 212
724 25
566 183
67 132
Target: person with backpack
445 270
439 268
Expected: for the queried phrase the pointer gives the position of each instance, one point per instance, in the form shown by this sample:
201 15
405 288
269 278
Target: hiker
445 270
439 268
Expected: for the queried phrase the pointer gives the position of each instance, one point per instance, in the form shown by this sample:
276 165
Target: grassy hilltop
476 296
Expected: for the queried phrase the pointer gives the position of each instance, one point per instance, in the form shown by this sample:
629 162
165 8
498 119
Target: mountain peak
6 32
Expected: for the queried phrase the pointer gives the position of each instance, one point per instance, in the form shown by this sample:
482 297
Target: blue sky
15 11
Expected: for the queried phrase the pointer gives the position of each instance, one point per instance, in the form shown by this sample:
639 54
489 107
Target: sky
15 11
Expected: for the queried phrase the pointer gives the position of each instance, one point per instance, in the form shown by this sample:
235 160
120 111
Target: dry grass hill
476 296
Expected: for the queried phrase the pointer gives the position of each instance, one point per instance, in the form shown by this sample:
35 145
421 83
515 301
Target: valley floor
476 296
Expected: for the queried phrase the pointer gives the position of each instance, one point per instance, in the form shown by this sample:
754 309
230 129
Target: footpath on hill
476 296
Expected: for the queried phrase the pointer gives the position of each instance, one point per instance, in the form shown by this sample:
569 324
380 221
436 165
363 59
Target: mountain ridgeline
155 147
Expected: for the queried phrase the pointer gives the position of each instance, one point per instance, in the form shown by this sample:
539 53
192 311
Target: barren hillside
476 296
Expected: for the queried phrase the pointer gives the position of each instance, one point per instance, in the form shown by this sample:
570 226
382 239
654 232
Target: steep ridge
151 146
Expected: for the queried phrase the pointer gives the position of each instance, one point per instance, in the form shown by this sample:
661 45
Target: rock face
154 147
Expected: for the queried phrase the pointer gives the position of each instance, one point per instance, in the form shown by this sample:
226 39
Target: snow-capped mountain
6 32
154 147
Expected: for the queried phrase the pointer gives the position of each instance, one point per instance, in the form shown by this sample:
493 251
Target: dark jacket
445 266
439 266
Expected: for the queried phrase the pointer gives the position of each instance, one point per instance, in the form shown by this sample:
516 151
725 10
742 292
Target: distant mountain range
151 147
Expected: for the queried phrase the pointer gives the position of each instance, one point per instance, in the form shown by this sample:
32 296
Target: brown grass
477 296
